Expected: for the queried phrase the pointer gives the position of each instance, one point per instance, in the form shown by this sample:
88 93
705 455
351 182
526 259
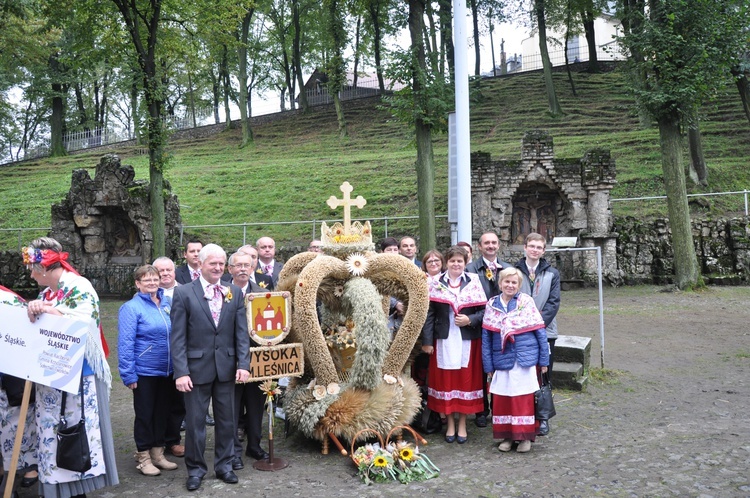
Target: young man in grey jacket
542 283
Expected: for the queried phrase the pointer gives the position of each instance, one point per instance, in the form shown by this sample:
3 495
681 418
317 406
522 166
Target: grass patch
297 163
605 376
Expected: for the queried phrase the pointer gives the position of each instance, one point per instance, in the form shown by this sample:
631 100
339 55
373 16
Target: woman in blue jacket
514 344
145 365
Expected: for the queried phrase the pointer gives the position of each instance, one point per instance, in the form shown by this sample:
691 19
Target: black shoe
237 464
209 420
450 439
543 427
228 477
258 455
481 421
27 482
193 483
462 439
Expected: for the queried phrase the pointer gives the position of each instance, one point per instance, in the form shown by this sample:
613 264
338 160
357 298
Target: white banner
48 351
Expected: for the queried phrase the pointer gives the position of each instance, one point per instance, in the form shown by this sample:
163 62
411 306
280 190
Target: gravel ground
666 417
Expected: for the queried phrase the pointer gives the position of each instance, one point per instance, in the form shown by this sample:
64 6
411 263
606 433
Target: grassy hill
298 163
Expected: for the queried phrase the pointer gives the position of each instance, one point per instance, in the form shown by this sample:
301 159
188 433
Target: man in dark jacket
542 283
487 267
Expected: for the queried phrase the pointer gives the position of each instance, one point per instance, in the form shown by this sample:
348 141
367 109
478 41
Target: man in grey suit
210 351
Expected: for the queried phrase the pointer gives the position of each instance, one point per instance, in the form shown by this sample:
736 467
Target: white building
606 29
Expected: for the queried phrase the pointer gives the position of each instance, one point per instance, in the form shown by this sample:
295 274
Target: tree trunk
424 166
215 95
475 25
336 64
297 57
632 23
554 105
698 168
568 29
225 83
446 33
57 117
247 132
587 16
357 52
377 28
687 274
743 85
431 45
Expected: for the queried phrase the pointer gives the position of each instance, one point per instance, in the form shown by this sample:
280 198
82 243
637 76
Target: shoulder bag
72 441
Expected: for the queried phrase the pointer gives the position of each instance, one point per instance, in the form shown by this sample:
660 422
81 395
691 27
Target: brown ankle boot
144 464
157 458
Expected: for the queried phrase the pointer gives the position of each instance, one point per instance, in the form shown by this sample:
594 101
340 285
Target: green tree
423 104
142 20
549 84
685 49
336 67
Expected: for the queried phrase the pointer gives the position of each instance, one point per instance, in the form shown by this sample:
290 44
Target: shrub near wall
644 250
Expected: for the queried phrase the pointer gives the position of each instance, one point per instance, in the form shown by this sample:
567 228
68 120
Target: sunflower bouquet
374 464
400 461
409 464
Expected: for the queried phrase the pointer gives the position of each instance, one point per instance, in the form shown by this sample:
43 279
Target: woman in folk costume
514 344
10 413
69 294
451 336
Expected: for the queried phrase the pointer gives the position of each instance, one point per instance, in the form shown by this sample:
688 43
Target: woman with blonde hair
514 344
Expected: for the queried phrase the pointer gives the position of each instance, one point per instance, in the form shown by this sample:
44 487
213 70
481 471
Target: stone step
573 349
567 375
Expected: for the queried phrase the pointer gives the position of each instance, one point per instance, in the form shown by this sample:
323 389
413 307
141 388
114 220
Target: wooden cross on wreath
347 202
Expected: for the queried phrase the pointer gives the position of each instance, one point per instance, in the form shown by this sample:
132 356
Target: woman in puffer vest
514 344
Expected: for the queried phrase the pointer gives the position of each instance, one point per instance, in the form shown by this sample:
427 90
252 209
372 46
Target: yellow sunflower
380 461
406 454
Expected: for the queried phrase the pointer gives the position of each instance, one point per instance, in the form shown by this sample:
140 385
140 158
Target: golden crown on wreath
336 234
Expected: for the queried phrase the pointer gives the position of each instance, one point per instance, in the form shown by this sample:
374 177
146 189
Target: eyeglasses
242 266
434 262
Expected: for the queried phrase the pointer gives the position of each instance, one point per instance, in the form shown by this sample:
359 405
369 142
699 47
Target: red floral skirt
458 391
513 417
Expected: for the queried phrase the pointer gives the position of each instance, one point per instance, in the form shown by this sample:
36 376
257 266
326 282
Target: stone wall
645 255
104 223
555 197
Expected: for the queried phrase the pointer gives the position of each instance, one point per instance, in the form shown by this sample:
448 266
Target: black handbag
72 441
13 387
544 405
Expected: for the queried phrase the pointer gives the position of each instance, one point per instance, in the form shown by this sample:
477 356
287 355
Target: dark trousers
175 415
551 353
249 414
196 408
150 406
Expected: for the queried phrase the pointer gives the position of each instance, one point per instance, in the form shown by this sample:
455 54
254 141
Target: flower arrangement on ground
400 461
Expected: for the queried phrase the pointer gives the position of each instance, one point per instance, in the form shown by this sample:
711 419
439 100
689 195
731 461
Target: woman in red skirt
452 337
514 344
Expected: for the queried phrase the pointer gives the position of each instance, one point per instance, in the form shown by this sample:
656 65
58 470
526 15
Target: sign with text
48 351
274 362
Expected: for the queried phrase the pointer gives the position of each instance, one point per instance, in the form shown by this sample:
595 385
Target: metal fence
382 227
744 193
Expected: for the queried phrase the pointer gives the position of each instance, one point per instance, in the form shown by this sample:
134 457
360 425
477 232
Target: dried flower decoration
357 264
